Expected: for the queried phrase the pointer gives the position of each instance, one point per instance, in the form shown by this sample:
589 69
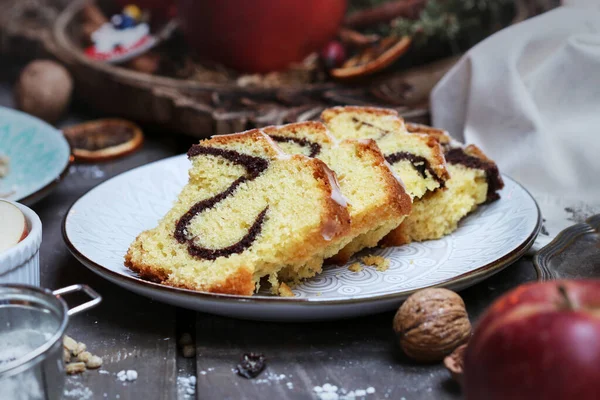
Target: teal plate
39 156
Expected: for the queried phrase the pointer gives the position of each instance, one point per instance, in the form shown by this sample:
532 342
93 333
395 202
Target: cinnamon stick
385 13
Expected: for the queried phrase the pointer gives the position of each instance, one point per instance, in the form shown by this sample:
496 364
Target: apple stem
568 303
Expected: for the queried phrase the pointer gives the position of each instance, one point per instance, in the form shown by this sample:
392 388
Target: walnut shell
455 363
44 90
431 324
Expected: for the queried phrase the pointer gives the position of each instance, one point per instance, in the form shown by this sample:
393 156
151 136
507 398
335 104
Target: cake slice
417 158
377 201
475 180
248 211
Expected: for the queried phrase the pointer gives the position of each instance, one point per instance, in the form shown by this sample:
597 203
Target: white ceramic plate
100 226
39 156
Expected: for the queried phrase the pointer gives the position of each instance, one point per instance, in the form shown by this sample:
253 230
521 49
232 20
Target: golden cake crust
239 283
440 135
327 114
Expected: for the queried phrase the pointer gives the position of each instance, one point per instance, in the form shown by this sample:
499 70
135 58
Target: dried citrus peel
104 139
373 59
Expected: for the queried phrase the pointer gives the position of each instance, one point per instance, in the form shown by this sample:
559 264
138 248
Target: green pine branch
443 20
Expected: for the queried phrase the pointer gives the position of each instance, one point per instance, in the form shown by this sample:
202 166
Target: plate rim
41 192
461 280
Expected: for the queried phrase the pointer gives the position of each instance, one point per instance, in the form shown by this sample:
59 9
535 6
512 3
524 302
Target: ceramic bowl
21 263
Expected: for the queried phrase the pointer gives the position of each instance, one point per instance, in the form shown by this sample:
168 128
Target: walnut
455 363
81 347
44 90
84 356
69 343
431 323
66 355
75 368
94 362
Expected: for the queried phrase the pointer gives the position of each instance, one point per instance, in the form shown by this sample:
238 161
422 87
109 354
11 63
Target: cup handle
96 298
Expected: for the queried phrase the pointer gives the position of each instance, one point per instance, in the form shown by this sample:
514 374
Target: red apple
13 225
539 341
259 35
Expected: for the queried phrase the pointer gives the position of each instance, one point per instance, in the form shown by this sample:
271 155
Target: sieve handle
96 298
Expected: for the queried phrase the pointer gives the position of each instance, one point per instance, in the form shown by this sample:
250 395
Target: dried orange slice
103 139
373 58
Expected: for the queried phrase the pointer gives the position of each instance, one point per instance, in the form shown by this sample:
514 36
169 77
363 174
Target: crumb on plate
355 267
380 263
285 291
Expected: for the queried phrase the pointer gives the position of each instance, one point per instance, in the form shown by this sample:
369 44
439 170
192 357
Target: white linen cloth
529 97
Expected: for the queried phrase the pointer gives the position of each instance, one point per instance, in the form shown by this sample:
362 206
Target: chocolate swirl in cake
254 167
361 123
315 148
419 163
492 175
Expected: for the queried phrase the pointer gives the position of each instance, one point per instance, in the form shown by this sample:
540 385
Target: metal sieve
32 324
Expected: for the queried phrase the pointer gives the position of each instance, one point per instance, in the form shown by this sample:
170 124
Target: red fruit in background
539 341
159 9
259 35
333 54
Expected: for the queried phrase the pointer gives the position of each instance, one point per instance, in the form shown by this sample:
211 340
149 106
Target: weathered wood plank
351 354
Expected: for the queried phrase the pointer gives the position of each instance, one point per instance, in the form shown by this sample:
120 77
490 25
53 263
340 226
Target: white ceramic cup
21 263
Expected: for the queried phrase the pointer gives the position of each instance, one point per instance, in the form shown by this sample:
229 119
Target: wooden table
133 332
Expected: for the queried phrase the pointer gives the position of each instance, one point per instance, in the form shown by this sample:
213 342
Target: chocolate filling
361 123
492 175
315 148
419 163
254 167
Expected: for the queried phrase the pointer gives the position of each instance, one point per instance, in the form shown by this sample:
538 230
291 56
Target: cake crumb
355 267
188 351
285 291
381 264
